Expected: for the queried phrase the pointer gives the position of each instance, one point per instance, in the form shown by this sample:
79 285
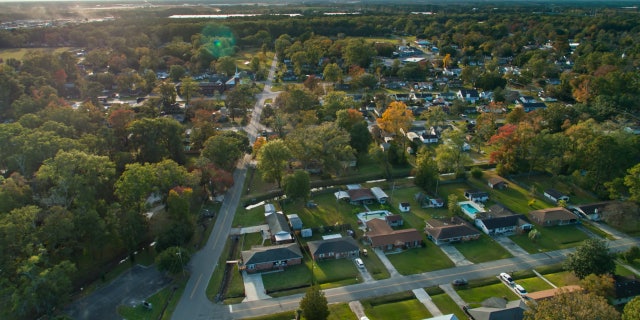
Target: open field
19 54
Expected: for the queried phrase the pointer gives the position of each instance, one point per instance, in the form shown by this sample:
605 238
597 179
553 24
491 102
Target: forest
78 176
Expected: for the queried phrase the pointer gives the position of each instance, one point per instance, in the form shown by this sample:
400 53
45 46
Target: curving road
194 303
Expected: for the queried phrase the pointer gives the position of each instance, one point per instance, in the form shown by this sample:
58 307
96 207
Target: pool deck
471 215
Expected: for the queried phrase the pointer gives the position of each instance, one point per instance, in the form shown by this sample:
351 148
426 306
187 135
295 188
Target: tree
239 99
593 256
395 118
332 72
223 151
324 147
226 65
314 304
572 306
601 285
360 137
622 215
632 181
76 178
632 310
335 102
155 139
452 204
297 185
168 93
273 159
426 172
534 235
173 260
450 155
188 88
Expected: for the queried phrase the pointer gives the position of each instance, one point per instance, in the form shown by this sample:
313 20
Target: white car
520 290
506 278
359 263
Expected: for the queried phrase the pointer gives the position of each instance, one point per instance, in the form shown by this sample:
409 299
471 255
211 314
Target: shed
294 221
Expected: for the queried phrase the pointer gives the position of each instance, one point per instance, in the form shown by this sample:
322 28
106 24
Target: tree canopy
591 257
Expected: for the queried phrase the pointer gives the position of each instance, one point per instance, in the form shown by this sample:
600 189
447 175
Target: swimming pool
470 208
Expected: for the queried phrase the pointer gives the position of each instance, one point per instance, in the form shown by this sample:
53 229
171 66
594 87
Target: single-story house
271 258
404 207
499 309
553 217
493 225
428 138
497 183
592 211
294 221
380 195
361 196
476 196
394 220
625 290
531 106
436 203
456 230
337 248
550 293
469 95
279 228
381 236
555 195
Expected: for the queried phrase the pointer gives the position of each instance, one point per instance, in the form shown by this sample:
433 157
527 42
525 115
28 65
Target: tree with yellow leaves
396 117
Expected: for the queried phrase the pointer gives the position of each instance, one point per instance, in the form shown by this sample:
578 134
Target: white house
404 207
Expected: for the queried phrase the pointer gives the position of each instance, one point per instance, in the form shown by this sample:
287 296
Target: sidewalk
448 289
392 270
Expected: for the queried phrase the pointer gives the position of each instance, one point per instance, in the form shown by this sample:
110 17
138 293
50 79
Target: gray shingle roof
344 244
271 253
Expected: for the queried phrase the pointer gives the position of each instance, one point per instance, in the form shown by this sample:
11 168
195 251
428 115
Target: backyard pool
470 208
366 216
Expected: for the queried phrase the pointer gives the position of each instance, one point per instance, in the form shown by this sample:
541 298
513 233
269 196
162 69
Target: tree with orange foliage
260 141
395 118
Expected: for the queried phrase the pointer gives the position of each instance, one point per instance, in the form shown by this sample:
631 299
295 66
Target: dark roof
277 223
476 193
626 287
344 244
360 194
504 221
271 253
393 218
592 207
554 193
452 231
496 180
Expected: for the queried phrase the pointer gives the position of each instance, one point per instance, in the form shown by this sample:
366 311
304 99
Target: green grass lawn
544 182
376 269
475 296
251 239
216 278
236 285
447 305
329 212
292 277
552 238
335 270
482 250
417 216
562 279
534 284
513 197
337 311
419 260
247 218
403 304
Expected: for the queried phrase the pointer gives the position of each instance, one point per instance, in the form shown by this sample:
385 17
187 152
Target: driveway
455 255
392 270
253 287
130 288
510 246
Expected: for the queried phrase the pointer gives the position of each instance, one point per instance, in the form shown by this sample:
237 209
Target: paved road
194 303
405 283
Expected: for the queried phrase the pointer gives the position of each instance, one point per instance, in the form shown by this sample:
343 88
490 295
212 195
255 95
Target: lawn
391 306
562 279
544 182
19 54
329 212
622 271
552 238
419 260
251 239
335 270
216 278
475 296
482 250
298 276
513 197
247 218
376 269
534 284
447 305
417 216
337 311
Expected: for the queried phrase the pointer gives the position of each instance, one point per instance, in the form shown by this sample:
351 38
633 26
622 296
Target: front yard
551 238
475 296
391 306
482 250
419 260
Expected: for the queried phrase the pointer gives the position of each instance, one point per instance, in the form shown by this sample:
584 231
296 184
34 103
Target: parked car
459 282
520 290
506 278
359 263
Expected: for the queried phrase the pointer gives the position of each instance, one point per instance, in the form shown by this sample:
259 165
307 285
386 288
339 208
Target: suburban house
625 290
380 195
271 258
279 228
550 293
336 248
381 236
454 230
555 195
499 309
493 225
294 221
361 196
592 211
531 106
553 217
497 183
468 95
476 196
404 207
